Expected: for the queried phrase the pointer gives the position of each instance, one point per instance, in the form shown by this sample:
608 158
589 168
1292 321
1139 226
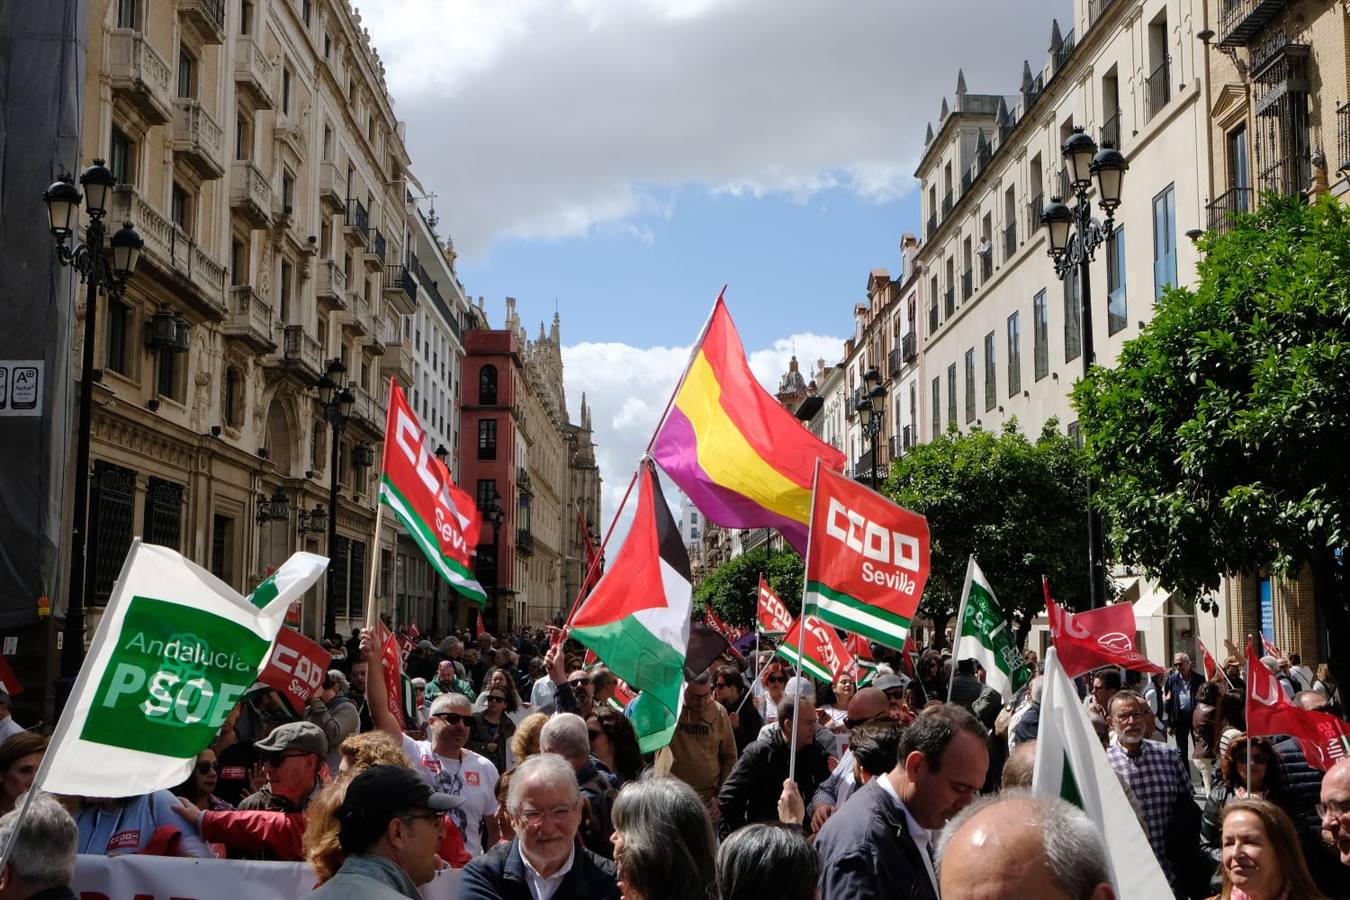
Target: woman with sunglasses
500 680
201 784
492 728
615 744
774 680
1267 782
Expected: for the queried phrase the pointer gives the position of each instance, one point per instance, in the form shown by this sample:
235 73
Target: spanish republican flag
738 454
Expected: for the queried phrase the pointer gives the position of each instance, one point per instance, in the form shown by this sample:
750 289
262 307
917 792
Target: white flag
982 634
174 652
1071 765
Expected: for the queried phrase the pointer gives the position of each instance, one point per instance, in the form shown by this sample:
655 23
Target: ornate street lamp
1074 236
63 205
871 408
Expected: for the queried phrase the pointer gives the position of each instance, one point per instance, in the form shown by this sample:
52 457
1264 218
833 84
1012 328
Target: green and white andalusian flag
982 634
1071 765
173 654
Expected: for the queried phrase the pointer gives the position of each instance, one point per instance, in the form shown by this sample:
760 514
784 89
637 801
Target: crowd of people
518 766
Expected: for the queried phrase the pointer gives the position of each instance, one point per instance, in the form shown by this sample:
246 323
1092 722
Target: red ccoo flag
1324 739
1098 637
732 633
771 616
824 653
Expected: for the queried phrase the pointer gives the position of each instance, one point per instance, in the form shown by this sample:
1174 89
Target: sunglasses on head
452 718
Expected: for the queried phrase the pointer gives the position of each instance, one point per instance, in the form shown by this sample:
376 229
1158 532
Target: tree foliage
1219 437
733 587
1016 504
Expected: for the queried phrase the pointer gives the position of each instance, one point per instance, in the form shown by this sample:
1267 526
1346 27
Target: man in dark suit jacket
1179 700
880 843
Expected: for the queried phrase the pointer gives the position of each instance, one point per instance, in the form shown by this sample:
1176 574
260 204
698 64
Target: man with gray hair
41 862
567 735
543 861
1016 844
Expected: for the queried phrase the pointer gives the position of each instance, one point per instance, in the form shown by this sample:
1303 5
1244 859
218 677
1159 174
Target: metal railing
1343 135
1240 20
894 362
1095 10
1065 50
1035 207
1158 89
1010 240
400 277
949 302
1226 205
909 347
987 263
947 203
967 284
377 245
932 225
933 317
1111 131
1288 175
357 217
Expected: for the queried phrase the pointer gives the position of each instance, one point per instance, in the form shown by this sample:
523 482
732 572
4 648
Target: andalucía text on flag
867 562
441 519
984 635
173 654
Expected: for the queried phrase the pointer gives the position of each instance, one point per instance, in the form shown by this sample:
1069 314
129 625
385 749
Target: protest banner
296 668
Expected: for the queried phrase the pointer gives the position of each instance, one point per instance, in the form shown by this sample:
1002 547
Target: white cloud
544 118
628 387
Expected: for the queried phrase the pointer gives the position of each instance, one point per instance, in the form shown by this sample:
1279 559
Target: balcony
1343 135
375 251
203 19
377 341
909 350
894 363
1010 241
967 284
949 302
332 285
197 138
1095 10
398 361
356 227
250 194
367 411
524 542
933 318
332 190
947 204
1289 175
907 437
357 317
1158 89
139 76
174 253
253 73
1034 210
986 261
1111 131
892 450
1241 20
1065 50
250 320
932 225
301 354
401 289
1226 205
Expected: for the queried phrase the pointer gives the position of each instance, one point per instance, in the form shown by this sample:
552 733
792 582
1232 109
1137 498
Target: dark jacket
751 722
1211 833
1303 790
499 874
1171 686
751 791
1205 732
867 853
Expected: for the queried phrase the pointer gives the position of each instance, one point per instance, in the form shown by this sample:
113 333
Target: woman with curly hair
664 845
1266 781
499 678
525 742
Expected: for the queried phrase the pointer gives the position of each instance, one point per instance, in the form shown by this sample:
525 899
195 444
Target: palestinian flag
982 634
866 562
823 653
1071 765
637 617
441 519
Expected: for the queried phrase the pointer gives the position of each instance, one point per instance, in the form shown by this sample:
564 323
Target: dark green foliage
733 587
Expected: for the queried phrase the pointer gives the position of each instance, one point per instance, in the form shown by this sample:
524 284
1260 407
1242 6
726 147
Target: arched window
487 386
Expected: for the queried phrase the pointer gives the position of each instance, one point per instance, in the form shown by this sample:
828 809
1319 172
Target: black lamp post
337 404
87 258
494 515
1075 236
871 408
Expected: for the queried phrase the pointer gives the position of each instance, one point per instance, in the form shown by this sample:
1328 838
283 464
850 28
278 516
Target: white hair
566 734
1074 851
1037 686
546 769
444 702
43 855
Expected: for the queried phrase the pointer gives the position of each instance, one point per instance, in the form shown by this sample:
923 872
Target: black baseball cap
379 794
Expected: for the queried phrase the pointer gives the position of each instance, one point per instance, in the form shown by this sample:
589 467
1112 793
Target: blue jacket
867 853
499 874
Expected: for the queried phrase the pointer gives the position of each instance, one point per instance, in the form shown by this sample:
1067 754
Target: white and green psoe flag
1071 765
982 634
173 654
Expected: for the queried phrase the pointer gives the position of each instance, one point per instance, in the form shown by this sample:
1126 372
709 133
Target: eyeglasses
204 767
776 679
1127 716
453 718
1333 811
558 815
496 698
277 758
429 815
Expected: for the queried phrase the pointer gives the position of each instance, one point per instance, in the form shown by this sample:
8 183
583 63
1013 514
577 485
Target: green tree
1017 505
1218 438
733 587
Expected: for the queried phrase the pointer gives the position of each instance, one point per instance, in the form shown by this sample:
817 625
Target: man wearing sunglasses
443 759
291 756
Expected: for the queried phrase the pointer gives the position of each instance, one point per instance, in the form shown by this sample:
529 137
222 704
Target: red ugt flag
772 617
1099 637
1324 739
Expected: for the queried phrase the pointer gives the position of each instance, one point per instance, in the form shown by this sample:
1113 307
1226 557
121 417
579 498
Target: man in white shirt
8 727
443 760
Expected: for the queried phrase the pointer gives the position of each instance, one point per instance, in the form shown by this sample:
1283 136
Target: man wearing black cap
389 824
291 757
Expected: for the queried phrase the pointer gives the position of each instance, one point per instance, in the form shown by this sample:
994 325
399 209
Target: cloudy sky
620 160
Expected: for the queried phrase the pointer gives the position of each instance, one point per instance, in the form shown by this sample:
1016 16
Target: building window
937 407
243 137
120 157
1014 355
1164 241
1117 315
284 306
222 548
327 45
234 397
287 191
1073 317
286 90
112 513
487 386
487 438
187 73
970 385
166 381
181 208
306 10
117 353
163 513
487 489
990 372
951 395
238 262
1040 335
126 13
246 17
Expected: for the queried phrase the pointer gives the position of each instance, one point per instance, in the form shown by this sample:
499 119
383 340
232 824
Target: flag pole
801 639
1247 702
372 611
960 620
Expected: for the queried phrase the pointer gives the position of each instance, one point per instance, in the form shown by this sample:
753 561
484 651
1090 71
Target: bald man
1335 808
868 704
1016 844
